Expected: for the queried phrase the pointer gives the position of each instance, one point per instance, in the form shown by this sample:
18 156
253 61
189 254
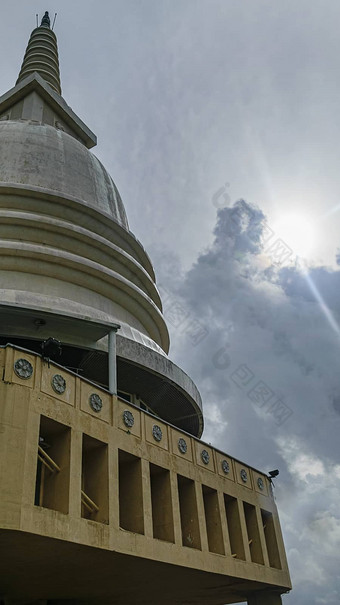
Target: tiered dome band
61 264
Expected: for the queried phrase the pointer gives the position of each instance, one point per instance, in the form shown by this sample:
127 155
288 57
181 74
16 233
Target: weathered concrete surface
65 248
265 598
42 156
50 108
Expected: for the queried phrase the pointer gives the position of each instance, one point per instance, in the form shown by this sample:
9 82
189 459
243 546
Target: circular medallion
157 432
23 368
225 467
58 384
182 445
244 475
128 418
205 456
95 402
260 483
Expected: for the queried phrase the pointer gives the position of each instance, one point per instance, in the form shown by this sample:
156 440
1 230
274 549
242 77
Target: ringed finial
45 21
41 55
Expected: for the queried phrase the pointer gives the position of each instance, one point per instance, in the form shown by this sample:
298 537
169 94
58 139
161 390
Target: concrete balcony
102 502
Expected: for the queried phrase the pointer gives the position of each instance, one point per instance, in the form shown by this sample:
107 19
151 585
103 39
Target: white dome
42 156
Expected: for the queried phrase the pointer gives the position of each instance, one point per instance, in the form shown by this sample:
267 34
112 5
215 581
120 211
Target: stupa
108 495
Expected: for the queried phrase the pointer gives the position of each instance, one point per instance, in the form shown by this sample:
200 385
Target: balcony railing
95 461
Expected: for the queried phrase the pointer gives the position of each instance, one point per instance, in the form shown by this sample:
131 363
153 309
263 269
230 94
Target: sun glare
298 232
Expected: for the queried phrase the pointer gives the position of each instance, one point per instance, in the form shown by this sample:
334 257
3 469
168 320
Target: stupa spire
42 55
45 21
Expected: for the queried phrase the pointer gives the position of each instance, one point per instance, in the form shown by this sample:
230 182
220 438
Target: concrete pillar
112 361
265 598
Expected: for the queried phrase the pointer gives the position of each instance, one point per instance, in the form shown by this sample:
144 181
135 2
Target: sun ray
319 298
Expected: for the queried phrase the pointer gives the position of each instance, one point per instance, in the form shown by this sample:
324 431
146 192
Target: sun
298 232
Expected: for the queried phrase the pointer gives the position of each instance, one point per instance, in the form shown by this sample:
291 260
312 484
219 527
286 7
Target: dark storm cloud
268 373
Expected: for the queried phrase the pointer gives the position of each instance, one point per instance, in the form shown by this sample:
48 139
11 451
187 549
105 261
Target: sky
219 122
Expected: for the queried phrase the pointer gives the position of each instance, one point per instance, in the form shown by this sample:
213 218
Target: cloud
268 372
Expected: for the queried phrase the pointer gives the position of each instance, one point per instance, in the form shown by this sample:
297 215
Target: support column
265 598
112 361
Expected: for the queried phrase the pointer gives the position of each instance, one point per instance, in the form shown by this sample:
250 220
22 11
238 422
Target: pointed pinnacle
45 21
42 55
